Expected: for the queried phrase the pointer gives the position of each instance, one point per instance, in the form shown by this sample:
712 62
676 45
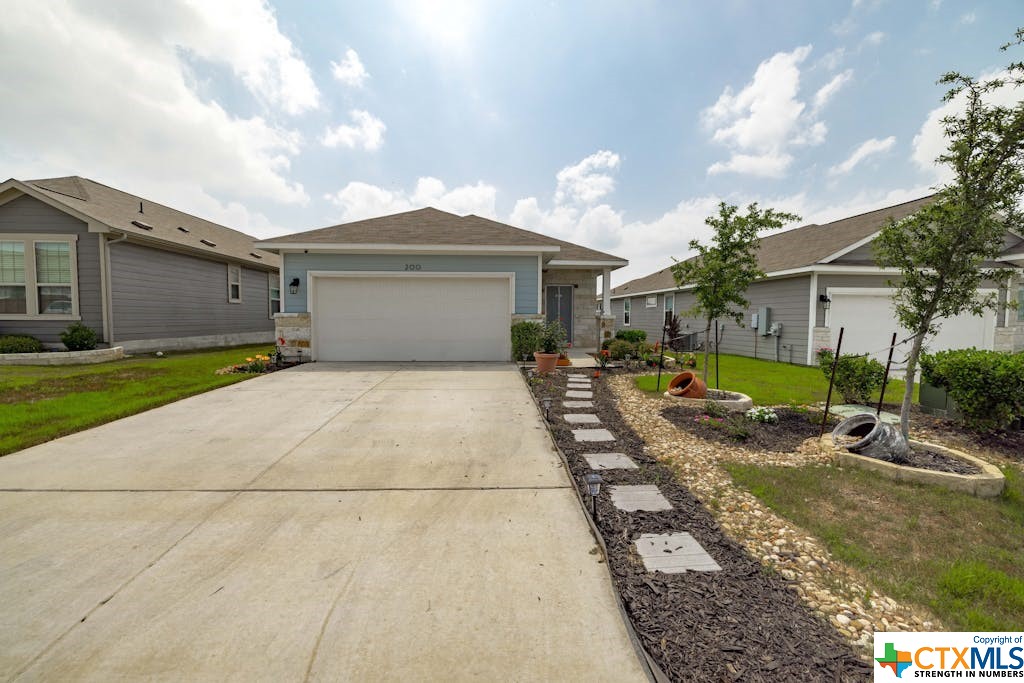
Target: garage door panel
412 319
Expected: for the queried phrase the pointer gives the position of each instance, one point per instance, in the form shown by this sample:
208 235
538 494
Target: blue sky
615 124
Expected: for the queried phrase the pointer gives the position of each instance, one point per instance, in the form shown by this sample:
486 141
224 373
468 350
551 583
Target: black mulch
1003 443
940 462
793 429
741 623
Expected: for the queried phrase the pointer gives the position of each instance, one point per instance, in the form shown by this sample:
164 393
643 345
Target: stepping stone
579 394
593 435
579 384
609 461
674 554
581 419
577 404
646 497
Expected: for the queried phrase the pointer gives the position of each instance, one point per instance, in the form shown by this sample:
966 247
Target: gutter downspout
108 301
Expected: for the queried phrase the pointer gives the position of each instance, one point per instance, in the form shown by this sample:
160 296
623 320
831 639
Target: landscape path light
593 481
546 402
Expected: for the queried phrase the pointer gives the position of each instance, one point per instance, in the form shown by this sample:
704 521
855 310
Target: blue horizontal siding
525 268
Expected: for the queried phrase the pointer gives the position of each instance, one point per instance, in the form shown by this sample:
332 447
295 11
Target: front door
559 306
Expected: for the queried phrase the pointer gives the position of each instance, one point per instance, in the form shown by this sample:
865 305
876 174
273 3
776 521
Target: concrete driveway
334 522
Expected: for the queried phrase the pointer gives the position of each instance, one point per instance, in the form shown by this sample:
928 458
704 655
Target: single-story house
820 278
428 285
140 274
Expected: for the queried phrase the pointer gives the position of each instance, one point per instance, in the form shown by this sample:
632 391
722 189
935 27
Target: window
652 301
625 312
1020 304
38 276
12 278
234 284
670 305
275 293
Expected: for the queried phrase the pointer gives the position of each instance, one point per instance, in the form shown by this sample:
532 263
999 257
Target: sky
617 125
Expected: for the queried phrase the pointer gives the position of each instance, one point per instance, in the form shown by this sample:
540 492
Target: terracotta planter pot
688 385
546 362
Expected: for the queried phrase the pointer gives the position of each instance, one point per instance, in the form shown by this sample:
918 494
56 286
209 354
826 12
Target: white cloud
586 182
826 92
833 59
874 38
359 200
134 114
350 70
864 150
763 120
366 131
930 140
968 18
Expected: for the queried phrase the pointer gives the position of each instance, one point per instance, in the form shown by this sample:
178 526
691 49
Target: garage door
414 318
870 320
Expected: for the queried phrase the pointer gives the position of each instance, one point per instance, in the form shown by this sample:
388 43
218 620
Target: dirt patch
76 384
742 623
794 427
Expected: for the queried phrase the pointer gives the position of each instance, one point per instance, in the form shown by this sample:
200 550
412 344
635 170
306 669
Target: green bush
78 337
856 376
526 339
620 349
988 386
632 336
18 343
552 337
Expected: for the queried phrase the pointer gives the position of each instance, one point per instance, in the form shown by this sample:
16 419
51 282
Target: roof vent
254 255
183 229
208 243
140 224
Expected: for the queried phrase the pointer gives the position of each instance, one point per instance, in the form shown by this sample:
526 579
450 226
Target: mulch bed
940 462
1005 444
742 623
793 429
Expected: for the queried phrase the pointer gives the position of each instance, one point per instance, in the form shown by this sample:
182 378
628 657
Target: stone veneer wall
584 304
294 330
1010 338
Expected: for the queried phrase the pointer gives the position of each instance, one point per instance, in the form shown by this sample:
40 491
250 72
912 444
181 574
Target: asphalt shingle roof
796 248
430 226
120 210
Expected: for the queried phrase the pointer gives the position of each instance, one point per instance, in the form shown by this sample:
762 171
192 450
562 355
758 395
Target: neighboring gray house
142 275
427 285
820 278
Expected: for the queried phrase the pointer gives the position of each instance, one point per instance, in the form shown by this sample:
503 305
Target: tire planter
875 439
546 362
687 385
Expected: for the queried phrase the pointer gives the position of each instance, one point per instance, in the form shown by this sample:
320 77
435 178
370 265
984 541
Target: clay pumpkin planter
688 385
546 362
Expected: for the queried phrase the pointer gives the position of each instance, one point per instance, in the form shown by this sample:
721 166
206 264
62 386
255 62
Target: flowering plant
762 414
604 358
709 421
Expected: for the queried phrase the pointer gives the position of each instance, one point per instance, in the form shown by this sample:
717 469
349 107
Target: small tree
942 249
722 271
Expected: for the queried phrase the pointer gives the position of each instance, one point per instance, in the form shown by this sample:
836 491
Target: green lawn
769 383
960 556
39 403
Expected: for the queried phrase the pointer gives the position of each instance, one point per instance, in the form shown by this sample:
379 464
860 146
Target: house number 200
413 266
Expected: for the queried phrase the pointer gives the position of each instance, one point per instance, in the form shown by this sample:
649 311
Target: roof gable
150 220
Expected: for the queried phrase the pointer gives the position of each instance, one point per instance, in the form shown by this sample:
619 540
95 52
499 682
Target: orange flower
248 360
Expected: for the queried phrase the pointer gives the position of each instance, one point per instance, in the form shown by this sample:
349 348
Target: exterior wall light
826 302
293 286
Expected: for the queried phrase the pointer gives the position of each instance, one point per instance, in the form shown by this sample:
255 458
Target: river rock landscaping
752 620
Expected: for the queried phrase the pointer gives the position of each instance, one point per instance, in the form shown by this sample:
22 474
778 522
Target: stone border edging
989 483
647 663
63 357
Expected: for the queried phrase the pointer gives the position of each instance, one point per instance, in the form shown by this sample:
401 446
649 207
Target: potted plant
552 341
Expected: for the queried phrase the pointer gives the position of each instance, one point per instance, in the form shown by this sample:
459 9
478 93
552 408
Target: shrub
620 349
856 376
715 409
526 339
78 337
19 343
632 336
737 428
552 337
675 335
987 386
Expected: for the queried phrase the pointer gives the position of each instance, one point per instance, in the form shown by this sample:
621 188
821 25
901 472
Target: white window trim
626 311
32 287
651 304
273 282
665 309
239 299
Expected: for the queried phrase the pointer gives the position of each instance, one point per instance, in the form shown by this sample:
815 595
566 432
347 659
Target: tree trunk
707 349
908 392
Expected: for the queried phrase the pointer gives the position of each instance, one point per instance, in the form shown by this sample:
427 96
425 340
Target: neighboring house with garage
428 285
821 278
142 275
